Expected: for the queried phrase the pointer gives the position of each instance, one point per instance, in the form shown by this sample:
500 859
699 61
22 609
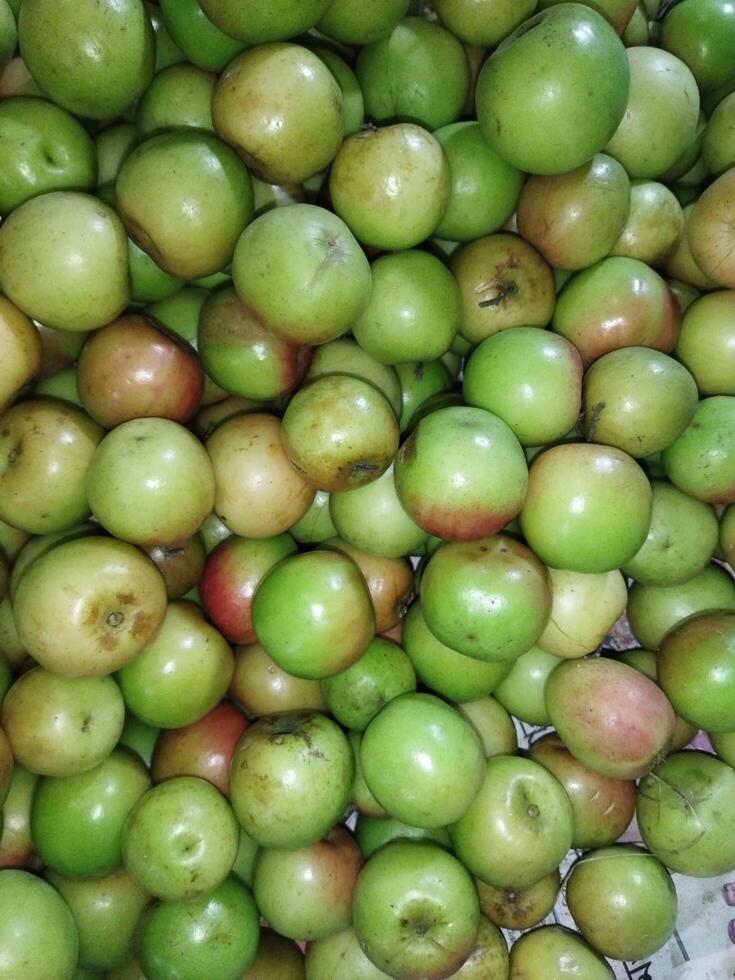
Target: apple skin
710 237
215 934
520 805
44 149
281 108
313 614
519 908
179 95
701 462
545 69
307 893
46 449
584 607
303 766
372 833
727 535
484 23
654 225
94 59
516 592
646 661
619 302
681 264
717 144
185 198
566 517
552 951
232 573
390 582
106 911
655 610
702 34
416 911
204 748
201 43
706 344
180 567
6 766
61 726
407 731
16 842
522 692
612 718
38 935
685 814
391 185
461 474
339 957
85 281
260 24
276 956
345 356
397 78
118 606
488 959
181 674
180 839
261 687
681 540
602 807
493 724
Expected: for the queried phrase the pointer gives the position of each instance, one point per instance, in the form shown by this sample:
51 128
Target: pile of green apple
361 365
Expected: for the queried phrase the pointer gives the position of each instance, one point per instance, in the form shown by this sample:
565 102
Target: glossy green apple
361 798
681 540
180 839
346 356
419 381
702 35
452 675
685 814
421 760
38 935
150 482
77 821
391 185
518 828
575 218
112 145
654 225
339 957
353 103
493 724
9 34
489 599
281 108
612 718
62 726
372 833
106 911
203 44
316 525
701 462
148 281
519 908
39 545
180 95
94 59
617 12
181 674
307 893
706 344
398 82
416 910
584 607
654 610
291 778
301 270
485 22
185 197
413 312
588 507
553 952
564 73
44 148
215 934
85 281
488 959
46 448
264 21
638 399
522 692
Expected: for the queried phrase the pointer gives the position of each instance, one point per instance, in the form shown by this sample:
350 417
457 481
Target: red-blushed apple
588 507
416 911
203 749
313 614
339 433
602 808
489 599
106 911
133 369
261 687
519 908
584 607
307 893
544 953
355 695
180 839
61 726
618 302
493 724
612 718
180 566
706 344
422 760
504 282
21 346
654 225
391 185
291 778
231 575
38 935
16 843
182 673
701 462
89 606
258 493
461 474
215 934
151 482
46 447
77 821
518 828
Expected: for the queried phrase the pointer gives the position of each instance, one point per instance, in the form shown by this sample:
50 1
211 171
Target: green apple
654 225
484 22
345 356
706 344
264 20
493 724
203 44
702 35
353 22
519 908
584 607
38 935
550 952
710 238
180 95
701 462
522 692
